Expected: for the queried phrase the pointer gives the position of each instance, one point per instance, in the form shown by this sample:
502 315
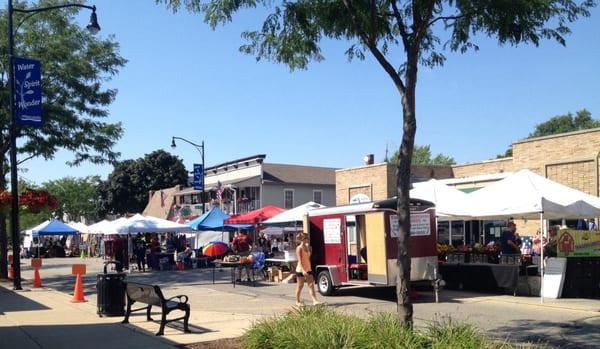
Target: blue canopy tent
213 220
53 227
211 223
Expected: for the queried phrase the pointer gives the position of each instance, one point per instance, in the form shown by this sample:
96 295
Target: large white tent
525 194
292 217
449 201
148 224
528 195
105 226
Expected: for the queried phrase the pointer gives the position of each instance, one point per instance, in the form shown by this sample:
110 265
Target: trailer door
376 248
334 237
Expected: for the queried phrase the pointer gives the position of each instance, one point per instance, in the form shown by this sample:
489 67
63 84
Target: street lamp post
93 27
200 148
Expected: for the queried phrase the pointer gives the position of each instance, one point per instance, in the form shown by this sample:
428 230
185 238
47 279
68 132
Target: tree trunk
409 128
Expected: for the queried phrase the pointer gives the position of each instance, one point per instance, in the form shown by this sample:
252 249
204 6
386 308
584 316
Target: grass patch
321 327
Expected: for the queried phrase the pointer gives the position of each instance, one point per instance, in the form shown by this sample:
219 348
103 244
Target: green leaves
77 197
582 120
75 66
127 187
422 156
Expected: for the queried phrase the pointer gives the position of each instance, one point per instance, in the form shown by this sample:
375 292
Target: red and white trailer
357 244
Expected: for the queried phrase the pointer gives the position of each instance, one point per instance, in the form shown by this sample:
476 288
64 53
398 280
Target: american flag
219 191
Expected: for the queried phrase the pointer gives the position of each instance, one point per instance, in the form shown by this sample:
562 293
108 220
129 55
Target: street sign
28 92
198 180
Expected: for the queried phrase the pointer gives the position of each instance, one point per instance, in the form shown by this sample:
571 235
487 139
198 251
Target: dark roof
258 157
298 174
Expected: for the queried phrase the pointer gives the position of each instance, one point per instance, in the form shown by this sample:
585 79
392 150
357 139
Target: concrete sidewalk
45 318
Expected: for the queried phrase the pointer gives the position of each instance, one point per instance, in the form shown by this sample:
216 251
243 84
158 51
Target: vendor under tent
209 227
52 227
292 217
527 195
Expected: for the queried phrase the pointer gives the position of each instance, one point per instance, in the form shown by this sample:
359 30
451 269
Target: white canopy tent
148 224
527 195
292 217
105 226
80 227
449 201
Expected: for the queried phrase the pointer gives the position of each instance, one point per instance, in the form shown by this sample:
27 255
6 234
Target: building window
318 196
288 198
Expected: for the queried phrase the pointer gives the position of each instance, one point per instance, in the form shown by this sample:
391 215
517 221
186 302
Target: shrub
320 327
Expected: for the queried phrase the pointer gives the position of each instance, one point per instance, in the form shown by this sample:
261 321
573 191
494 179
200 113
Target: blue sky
183 79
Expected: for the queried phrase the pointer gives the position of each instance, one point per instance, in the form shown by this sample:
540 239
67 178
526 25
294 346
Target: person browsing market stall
508 240
242 244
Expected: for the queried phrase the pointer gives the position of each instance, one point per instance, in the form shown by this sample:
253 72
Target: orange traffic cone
37 282
78 292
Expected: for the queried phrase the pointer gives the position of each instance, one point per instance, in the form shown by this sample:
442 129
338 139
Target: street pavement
221 311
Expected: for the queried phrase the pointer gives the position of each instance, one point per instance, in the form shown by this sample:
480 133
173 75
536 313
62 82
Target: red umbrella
215 248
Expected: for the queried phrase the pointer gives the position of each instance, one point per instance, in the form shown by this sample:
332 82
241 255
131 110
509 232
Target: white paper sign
331 231
554 277
420 225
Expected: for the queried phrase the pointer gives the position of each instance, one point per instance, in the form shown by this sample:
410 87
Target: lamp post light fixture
200 148
93 27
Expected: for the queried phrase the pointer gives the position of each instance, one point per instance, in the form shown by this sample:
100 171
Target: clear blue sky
185 80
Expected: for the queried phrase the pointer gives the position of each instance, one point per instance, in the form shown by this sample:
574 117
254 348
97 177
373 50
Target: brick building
569 158
378 181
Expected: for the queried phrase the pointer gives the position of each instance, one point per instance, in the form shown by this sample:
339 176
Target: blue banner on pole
28 92
198 180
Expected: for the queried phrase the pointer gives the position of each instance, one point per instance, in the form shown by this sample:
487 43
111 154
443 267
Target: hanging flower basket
34 201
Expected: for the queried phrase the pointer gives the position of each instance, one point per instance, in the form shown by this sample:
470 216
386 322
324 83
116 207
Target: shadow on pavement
91 336
570 335
11 301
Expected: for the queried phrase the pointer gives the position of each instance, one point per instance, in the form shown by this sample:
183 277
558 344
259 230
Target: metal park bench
152 296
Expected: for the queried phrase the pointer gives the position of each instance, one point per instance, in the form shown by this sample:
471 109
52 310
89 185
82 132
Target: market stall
524 195
55 228
210 227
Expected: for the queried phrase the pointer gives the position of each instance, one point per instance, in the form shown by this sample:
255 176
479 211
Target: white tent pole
542 231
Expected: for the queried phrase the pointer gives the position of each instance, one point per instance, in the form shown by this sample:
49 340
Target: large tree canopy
75 66
77 196
127 187
292 33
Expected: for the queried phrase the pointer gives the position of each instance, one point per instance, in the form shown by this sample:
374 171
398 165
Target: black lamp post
93 27
200 148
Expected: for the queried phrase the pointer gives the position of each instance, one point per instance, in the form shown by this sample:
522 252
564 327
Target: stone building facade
567 158
378 181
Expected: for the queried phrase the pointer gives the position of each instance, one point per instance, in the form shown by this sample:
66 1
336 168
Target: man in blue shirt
508 241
